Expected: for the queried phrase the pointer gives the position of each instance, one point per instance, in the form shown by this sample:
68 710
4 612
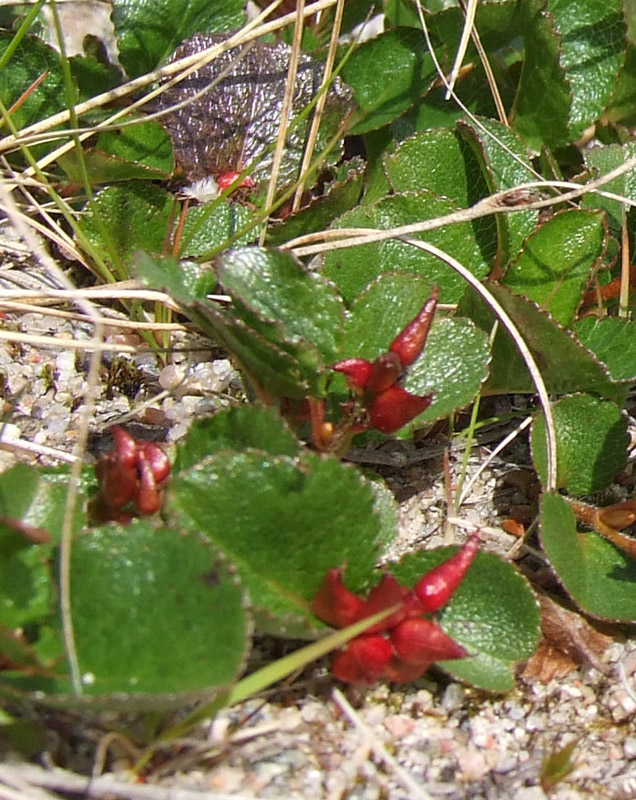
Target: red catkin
437 587
421 641
408 344
334 603
363 660
395 408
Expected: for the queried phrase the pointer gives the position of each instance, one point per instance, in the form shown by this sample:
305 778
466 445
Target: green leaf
407 73
505 163
566 366
613 341
599 577
128 217
149 30
210 226
557 260
31 60
184 281
453 367
155 611
601 160
592 441
283 524
438 160
236 428
293 372
493 614
353 268
102 168
570 67
296 306
142 151
341 196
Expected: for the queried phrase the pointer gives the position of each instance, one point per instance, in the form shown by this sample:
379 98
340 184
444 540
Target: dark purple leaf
234 124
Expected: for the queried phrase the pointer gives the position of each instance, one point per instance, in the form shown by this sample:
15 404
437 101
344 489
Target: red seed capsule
395 408
148 499
125 446
410 342
386 594
357 371
334 603
118 481
385 371
398 671
158 460
420 641
436 588
226 179
363 660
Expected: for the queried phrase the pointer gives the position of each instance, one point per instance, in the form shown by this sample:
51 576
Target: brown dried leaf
568 640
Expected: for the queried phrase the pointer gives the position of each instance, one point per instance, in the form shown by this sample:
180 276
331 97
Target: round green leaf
505 163
599 577
565 365
600 161
210 227
570 67
294 304
128 217
493 614
283 524
155 611
453 367
592 441
556 262
353 268
438 160
236 428
613 341
406 75
31 59
149 30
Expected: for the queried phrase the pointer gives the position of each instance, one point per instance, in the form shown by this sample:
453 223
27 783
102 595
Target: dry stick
112 322
92 345
519 341
13 444
623 302
494 204
463 46
415 791
490 77
104 786
253 30
285 113
320 105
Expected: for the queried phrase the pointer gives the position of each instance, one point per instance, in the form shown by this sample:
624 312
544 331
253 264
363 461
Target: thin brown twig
320 106
285 114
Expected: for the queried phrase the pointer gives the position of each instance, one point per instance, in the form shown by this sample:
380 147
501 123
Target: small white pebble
629 747
170 377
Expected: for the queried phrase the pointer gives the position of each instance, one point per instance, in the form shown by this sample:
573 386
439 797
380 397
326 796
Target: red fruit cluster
389 406
402 646
131 475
